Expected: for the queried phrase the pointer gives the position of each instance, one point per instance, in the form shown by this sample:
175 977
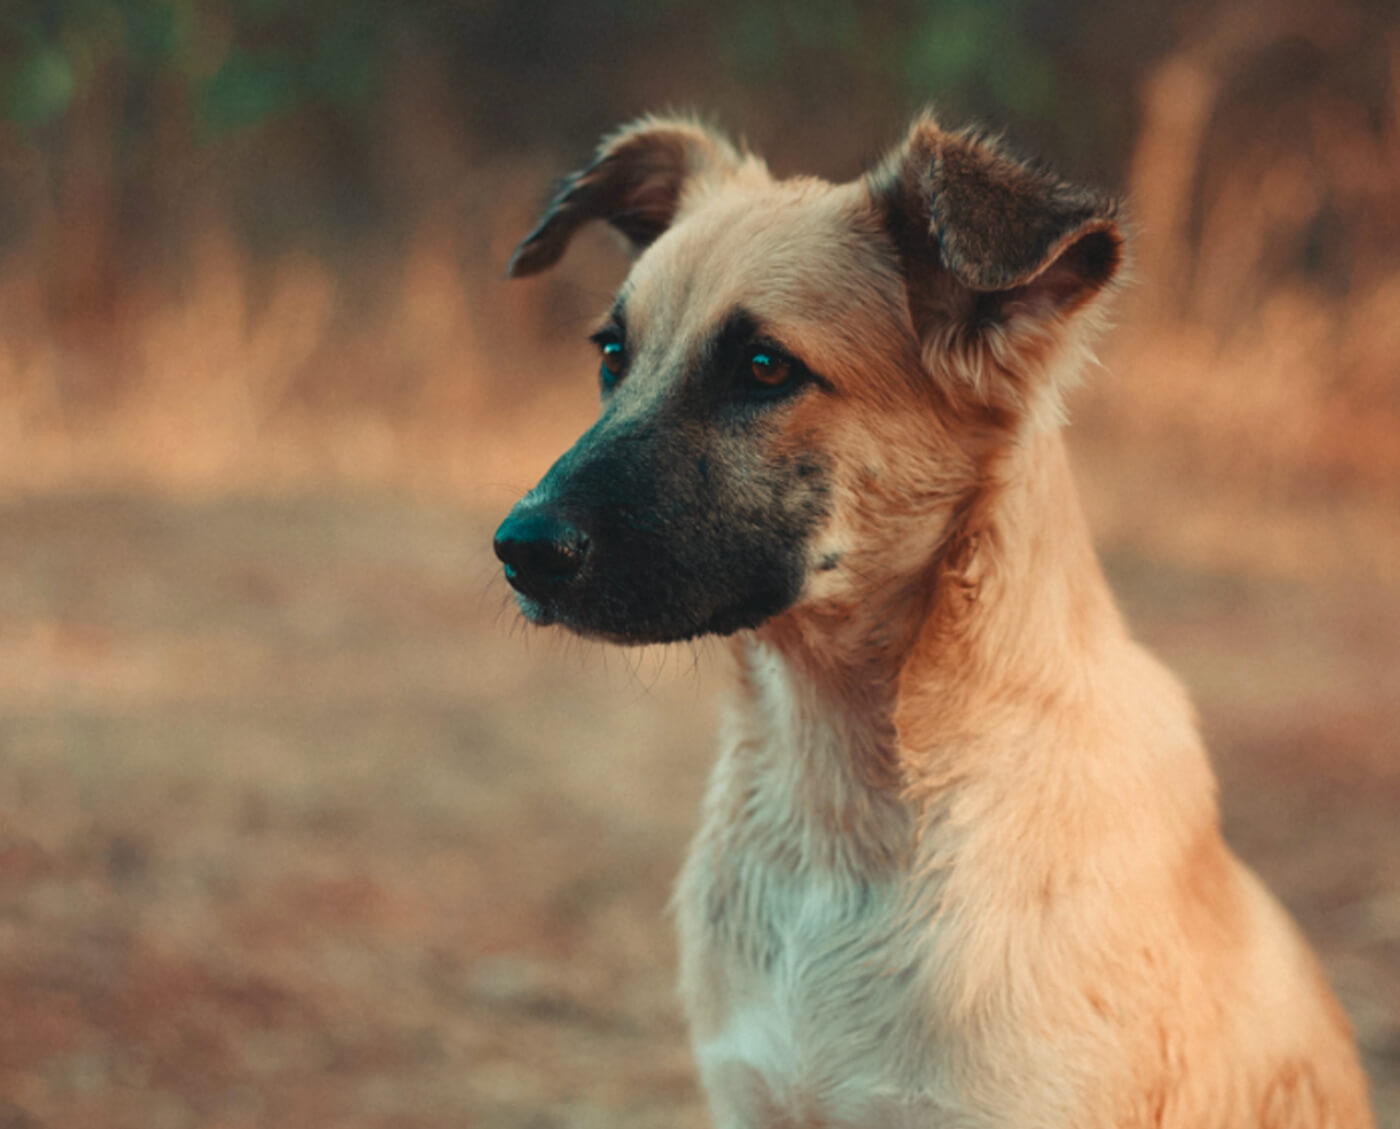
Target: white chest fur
815 1028
798 968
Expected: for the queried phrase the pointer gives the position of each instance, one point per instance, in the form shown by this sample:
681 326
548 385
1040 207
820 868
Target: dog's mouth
636 594
590 618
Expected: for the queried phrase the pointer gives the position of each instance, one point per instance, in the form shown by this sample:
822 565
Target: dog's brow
614 320
738 329
742 327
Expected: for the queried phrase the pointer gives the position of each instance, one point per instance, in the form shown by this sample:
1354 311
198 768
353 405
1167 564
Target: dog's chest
801 972
819 1018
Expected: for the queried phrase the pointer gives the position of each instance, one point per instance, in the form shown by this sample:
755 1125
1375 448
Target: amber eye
768 368
614 357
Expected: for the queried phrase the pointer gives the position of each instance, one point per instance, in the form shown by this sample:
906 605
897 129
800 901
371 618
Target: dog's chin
646 630
540 614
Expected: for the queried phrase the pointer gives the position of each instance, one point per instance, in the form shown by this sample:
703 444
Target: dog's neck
1020 611
1014 609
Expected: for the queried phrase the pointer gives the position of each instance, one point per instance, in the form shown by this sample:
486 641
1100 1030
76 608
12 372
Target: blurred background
298 827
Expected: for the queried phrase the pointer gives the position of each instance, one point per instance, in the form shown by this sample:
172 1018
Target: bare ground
299 829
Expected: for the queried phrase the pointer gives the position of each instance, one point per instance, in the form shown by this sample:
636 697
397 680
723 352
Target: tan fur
960 861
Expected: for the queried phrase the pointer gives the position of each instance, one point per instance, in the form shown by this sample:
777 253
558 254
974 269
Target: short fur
960 862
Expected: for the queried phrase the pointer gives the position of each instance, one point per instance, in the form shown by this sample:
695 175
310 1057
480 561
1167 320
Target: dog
959 863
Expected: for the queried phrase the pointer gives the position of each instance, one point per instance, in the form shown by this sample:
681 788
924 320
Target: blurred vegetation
142 85
237 64
240 63
290 107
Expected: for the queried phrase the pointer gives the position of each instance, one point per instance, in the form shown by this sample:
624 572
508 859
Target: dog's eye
614 357
769 369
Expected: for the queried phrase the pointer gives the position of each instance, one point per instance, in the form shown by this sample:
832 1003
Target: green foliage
982 50
983 47
41 87
344 62
248 87
153 32
240 62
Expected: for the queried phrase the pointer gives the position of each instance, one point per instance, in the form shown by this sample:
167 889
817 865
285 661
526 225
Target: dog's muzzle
541 553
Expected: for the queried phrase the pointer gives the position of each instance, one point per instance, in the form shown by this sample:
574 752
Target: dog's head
801 382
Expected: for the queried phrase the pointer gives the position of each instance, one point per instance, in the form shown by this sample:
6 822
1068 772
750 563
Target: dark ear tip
531 256
515 266
1100 253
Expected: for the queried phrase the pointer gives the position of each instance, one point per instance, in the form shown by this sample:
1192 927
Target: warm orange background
298 826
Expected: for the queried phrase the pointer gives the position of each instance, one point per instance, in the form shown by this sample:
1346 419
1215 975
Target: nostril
539 552
557 557
566 554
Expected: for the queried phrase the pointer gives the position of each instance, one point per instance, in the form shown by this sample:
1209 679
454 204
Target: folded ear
1000 257
636 182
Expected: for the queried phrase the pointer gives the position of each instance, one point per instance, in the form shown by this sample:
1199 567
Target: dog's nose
541 553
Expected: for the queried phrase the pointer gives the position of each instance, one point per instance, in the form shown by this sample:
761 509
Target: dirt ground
298 828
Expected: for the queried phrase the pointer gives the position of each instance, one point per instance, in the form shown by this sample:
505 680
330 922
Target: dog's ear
1000 257
636 182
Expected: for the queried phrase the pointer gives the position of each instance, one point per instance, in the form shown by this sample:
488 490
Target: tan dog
960 862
